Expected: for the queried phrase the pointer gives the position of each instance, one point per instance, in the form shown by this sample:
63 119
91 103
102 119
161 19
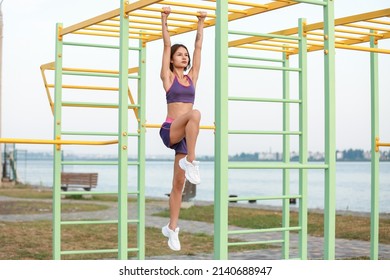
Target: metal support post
330 132
123 134
221 132
374 154
57 148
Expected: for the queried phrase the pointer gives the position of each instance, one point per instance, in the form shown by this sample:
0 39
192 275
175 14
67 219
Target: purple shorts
180 147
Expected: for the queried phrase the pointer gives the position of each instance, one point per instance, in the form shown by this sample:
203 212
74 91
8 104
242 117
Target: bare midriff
177 109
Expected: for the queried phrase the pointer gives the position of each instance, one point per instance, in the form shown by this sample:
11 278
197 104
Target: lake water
352 182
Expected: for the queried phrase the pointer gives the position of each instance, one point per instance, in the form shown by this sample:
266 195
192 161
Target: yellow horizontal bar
248 4
188 5
171 18
55 142
369 27
341 30
378 21
151 9
148 125
201 7
350 47
321 33
364 49
380 144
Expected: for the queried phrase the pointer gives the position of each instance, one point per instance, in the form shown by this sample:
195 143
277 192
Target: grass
347 226
33 240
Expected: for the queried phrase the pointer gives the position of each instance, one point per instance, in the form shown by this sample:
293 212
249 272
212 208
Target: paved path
344 248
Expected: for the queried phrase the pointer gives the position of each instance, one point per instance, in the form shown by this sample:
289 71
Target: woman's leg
187 126
176 193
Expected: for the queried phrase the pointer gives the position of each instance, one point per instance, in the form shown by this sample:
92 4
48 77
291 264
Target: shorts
180 147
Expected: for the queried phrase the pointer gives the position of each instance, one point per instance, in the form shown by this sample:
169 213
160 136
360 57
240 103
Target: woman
181 128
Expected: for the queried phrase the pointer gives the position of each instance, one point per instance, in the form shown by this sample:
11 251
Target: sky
29 41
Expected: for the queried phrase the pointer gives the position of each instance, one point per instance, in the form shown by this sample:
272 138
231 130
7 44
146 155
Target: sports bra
180 93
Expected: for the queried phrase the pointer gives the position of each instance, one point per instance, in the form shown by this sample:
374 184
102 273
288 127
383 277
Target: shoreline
293 208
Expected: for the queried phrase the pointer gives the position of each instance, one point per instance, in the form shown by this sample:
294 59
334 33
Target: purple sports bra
180 93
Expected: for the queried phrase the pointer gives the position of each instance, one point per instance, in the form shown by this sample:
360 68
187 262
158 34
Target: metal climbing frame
140 20
222 133
144 27
123 102
349 33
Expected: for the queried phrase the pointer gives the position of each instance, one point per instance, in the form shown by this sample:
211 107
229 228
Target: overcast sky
29 41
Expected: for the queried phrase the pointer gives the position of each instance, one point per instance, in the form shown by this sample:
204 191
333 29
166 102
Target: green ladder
223 165
123 134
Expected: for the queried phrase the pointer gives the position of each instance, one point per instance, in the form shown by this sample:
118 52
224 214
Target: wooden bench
87 181
188 192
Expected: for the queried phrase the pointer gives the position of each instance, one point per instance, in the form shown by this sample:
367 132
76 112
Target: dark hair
173 50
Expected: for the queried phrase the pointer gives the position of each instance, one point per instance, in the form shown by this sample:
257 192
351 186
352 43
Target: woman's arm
194 72
165 73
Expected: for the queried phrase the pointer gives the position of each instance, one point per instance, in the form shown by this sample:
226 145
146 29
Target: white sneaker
191 170
173 237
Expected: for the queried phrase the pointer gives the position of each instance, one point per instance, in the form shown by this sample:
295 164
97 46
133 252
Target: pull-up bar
56 142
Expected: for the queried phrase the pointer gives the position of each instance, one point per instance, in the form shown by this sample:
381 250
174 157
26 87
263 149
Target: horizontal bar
376 28
107 34
273 165
86 74
265 67
96 222
255 242
250 231
92 74
97 163
348 31
89 222
78 252
90 192
176 12
255 58
256 99
314 2
260 132
364 49
96 105
130 70
97 46
264 197
190 5
268 35
56 142
86 87
148 125
273 49
89 133
248 4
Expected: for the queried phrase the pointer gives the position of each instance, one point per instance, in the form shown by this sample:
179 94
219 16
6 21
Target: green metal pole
141 150
303 154
123 134
57 148
286 158
374 154
221 132
330 132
